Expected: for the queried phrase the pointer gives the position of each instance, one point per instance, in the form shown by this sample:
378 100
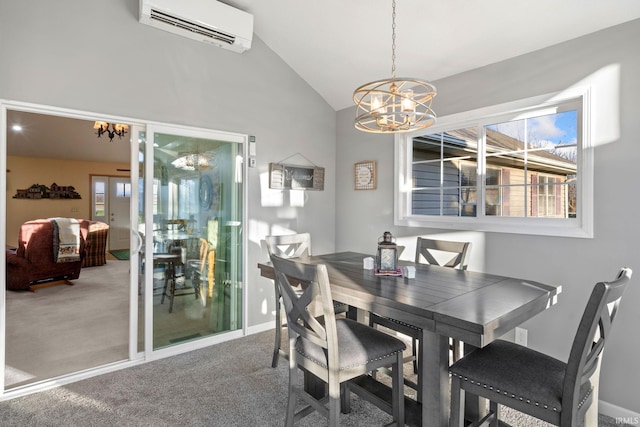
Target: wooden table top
471 306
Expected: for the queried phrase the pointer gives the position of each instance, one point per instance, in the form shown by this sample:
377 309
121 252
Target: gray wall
610 63
88 56
95 56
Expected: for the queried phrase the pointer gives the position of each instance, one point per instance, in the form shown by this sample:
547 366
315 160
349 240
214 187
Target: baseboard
621 415
68 379
256 329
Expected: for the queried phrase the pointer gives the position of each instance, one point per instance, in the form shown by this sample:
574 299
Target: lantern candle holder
387 256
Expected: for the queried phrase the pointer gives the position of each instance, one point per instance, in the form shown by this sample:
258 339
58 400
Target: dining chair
289 246
534 383
195 266
175 224
175 277
444 253
335 350
435 252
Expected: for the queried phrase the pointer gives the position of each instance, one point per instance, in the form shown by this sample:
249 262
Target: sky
552 129
557 128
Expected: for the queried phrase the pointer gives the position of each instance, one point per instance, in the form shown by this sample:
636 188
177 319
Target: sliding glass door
191 219
76 319
182 286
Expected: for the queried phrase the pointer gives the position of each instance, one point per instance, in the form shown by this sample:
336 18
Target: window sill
541 227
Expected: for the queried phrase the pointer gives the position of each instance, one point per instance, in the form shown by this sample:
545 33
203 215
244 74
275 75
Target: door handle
138 240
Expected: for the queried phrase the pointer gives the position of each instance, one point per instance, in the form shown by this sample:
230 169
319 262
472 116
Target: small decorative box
409 272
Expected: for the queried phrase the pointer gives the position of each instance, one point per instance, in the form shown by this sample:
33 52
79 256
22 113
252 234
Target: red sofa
33 260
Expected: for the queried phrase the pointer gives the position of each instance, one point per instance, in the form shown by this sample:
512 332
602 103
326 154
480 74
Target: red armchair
33 260
97 243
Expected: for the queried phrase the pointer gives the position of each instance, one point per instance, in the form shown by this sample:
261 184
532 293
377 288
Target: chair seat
512 370
359 344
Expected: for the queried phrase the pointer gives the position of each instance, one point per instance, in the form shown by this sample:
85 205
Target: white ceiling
55 137
338 45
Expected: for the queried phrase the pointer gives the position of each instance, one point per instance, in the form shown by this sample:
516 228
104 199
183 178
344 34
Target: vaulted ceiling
338 45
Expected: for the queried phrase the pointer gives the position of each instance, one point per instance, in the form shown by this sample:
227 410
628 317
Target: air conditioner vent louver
192 27
207 21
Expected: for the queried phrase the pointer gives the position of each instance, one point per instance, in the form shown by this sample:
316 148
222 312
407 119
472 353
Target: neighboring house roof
537 159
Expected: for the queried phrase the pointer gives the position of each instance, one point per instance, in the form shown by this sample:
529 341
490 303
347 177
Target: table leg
172 270
433 378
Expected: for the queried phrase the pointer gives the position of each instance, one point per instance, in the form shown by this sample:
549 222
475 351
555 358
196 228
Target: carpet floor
63 329
230 384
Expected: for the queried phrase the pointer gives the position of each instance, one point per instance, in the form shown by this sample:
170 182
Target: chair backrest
290 245
197 250
175 224
204 252
589 341
175 247
35 240
314 282
455 253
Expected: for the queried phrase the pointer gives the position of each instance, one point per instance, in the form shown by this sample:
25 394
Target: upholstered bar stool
534 383
335 351
290 246
287 246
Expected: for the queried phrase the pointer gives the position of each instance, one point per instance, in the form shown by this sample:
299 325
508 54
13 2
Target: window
99 199
523 167
188 197
123 189
547 196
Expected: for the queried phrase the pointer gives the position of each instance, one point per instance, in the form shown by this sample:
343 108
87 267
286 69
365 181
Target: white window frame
581 226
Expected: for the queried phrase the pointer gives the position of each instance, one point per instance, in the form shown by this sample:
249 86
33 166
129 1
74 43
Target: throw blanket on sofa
66 239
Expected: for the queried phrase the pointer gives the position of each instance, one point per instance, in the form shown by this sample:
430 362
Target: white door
119 213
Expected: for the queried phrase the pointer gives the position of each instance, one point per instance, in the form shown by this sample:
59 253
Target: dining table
443 303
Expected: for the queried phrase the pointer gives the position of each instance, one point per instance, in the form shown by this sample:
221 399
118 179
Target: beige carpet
226 385
63 329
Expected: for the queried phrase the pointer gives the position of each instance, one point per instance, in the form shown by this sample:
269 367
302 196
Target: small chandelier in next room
396 104
193 161
116 129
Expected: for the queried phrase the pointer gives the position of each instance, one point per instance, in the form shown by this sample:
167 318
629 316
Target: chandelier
191 162
394 105
116 129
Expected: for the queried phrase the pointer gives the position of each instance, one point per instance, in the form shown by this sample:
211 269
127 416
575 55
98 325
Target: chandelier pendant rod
393 41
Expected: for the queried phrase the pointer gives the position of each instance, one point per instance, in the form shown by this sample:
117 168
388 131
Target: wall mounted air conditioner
207 21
